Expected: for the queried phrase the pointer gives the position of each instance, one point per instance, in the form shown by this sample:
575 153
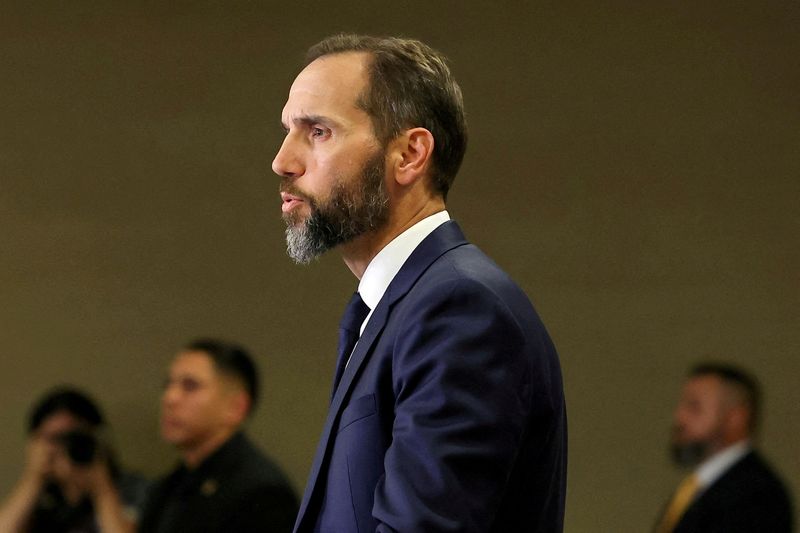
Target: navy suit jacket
450 415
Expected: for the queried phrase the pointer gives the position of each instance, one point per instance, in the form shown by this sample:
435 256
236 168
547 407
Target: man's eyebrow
307 120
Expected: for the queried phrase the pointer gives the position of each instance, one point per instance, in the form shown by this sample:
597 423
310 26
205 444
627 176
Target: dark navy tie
349 331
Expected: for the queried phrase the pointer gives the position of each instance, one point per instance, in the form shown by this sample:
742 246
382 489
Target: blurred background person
71 481
223 482
731 488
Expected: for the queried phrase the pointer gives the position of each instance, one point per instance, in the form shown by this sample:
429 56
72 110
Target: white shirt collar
712 468
387 263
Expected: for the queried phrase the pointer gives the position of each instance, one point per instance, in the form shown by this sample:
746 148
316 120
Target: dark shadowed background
636 168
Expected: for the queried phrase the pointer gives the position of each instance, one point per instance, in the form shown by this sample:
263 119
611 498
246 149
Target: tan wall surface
636 168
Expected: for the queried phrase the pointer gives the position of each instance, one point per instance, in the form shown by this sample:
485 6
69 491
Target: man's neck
193 456
358 253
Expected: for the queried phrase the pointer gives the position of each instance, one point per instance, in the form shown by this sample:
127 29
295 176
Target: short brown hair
738 378
232 360
410 85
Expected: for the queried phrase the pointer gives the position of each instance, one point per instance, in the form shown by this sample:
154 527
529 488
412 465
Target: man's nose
170 395
287 162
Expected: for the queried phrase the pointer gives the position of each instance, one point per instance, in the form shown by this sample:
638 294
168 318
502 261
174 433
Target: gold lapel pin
209 487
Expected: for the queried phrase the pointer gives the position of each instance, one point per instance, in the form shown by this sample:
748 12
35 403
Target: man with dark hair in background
224 483
731 488
447 411
71 482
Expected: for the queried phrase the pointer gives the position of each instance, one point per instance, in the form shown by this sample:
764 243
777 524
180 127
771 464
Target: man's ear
415 151
239 406
738 421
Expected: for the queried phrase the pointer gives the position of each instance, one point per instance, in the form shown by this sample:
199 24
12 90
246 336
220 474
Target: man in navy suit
731 489
448 413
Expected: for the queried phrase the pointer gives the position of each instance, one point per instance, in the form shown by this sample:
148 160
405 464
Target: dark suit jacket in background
235 490
748 498
450 415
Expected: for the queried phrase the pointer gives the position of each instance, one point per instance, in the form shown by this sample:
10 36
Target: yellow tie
680 501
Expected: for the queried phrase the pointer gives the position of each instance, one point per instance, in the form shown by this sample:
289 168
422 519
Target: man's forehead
60 420
193 363
328 83
703 386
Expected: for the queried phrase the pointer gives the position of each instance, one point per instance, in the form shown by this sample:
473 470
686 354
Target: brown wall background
634 167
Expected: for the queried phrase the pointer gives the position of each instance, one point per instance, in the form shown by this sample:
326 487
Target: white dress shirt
387 263
715 466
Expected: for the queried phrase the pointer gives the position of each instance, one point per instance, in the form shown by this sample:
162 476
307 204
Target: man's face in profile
333 167
197 401
699 420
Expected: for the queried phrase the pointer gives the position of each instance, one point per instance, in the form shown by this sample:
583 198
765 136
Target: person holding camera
70 482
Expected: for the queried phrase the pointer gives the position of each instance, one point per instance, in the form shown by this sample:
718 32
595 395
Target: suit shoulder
759 474
749 490
467 268
257 467
466 273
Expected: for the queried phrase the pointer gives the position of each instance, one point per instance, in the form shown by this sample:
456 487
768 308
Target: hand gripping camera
82 446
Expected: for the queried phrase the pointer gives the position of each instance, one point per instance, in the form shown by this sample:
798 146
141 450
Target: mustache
288 187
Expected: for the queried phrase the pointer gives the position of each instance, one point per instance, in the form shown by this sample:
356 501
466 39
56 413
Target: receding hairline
367 60
359 101
368 55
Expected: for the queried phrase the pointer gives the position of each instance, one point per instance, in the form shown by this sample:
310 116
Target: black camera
81 446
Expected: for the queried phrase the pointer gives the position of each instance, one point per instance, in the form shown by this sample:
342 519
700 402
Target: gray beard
303 243
348 214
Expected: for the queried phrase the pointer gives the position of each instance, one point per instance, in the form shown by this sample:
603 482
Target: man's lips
171 424
289 201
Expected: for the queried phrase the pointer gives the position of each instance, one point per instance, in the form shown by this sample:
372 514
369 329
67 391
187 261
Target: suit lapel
442 239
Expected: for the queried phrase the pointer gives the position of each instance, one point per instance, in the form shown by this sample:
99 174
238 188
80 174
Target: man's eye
318 132
190 385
